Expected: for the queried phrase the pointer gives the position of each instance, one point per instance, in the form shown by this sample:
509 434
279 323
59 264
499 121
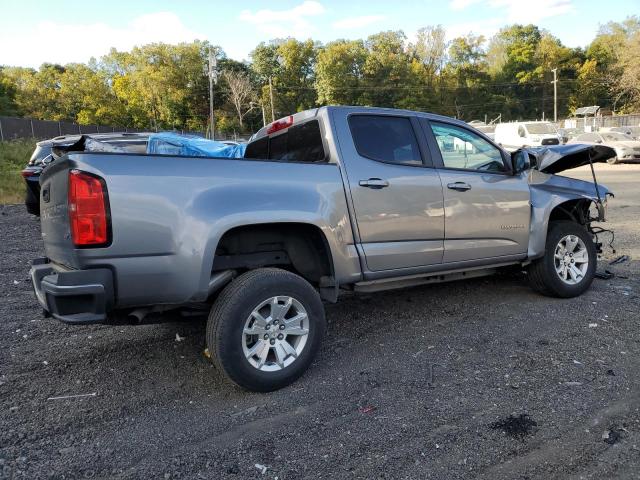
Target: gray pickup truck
324 201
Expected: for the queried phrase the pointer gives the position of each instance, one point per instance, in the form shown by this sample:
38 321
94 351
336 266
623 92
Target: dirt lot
523 386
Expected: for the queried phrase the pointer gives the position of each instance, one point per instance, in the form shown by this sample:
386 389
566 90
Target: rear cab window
299 143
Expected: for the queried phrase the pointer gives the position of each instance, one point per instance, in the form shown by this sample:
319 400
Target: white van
514 135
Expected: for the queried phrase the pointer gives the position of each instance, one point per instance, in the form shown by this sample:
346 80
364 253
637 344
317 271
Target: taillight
280 125
27 173
88 210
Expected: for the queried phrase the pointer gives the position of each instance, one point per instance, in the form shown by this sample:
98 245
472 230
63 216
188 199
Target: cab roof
305 115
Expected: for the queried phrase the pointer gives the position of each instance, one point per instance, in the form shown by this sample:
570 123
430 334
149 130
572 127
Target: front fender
547 193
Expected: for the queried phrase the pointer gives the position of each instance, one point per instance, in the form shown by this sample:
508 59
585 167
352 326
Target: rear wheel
568 266
265 328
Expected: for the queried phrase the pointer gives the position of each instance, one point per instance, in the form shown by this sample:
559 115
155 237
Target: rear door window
300 143
385 138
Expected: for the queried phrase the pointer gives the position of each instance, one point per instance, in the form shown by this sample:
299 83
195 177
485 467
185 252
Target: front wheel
569 264
265 328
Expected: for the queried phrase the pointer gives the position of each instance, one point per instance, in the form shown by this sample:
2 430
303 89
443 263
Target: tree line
167 86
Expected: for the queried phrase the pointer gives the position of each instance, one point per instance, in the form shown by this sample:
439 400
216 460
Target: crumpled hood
557 158
558 184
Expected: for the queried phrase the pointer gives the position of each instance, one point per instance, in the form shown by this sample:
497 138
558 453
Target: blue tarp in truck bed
175 144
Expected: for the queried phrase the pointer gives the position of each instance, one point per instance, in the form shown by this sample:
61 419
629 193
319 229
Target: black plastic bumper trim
73 296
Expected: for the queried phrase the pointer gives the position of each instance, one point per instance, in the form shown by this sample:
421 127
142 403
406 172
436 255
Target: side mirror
520 161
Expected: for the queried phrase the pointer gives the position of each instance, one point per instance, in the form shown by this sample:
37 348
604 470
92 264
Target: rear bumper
73 296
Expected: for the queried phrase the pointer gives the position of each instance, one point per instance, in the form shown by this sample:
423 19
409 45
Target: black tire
542 272
232 308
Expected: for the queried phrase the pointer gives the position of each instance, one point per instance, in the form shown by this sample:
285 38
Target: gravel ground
523 386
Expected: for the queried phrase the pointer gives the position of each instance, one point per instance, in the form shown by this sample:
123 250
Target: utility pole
555 94
273 114
213 80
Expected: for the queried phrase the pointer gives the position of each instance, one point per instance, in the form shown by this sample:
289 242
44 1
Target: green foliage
14 156
167 86
228 125
628 84
7 96
160 85
339 72
290 64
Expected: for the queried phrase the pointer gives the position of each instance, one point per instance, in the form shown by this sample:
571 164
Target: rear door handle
459 186
374 183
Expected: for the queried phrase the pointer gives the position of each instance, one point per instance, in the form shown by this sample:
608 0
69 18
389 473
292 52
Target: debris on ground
367 409
593 325
82 395
604 275
573 384
430 380
179 338
516 426
206 353
620 259
247 411
612 435
261 468
611 373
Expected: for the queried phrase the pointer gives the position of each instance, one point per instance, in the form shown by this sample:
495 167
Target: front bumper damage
73 296
556 159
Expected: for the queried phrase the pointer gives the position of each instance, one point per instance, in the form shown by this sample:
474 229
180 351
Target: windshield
615 137
540 128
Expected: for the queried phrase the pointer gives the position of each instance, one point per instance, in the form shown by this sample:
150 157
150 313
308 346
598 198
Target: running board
414 280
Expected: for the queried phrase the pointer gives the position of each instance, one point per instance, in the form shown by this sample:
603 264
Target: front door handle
374 183
459 186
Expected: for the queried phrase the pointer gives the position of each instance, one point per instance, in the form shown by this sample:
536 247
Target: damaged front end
556 159
555 197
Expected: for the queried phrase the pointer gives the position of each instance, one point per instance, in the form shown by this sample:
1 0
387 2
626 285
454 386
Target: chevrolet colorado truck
324 201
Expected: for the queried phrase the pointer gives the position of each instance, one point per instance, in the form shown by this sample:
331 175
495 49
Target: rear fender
230 207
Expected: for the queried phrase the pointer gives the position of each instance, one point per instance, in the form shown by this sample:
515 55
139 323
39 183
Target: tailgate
54 213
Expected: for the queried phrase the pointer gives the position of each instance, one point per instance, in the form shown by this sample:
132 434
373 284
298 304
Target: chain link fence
13 128
603 121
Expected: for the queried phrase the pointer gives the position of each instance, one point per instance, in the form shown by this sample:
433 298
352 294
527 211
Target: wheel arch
575 209
301 247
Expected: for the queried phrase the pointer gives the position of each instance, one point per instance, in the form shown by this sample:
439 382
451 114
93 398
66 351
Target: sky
33 32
